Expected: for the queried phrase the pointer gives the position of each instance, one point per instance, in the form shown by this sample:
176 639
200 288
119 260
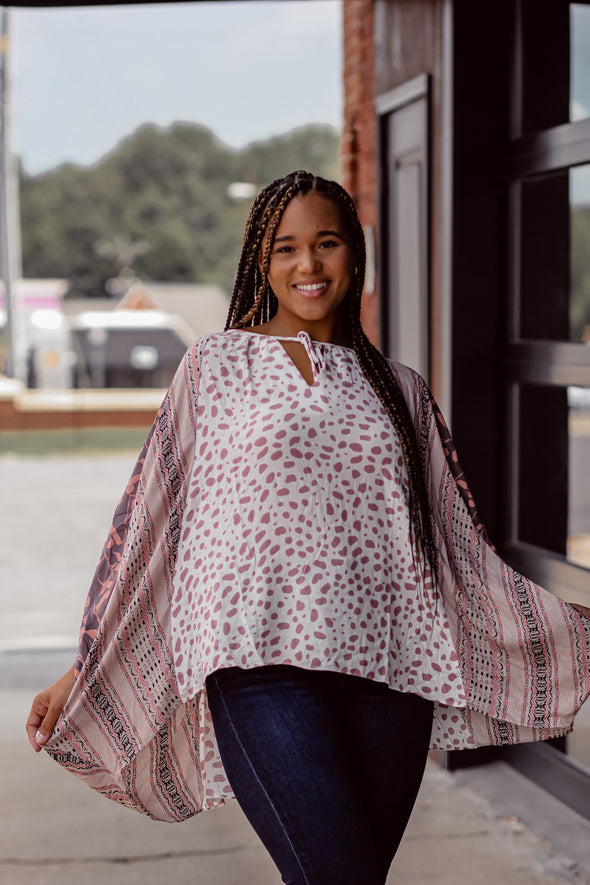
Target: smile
311 288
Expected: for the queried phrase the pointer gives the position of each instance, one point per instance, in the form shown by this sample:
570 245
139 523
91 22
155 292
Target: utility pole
10 259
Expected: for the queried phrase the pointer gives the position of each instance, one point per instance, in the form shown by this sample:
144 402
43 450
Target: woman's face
310 268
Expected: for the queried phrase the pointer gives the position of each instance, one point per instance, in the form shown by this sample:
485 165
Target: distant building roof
204 308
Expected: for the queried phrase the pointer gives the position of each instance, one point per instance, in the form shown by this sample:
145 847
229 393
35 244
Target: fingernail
40 738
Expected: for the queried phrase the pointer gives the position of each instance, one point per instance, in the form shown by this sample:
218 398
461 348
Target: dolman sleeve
124 729
149 510
524 653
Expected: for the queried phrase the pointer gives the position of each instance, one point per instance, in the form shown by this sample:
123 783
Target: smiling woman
297 598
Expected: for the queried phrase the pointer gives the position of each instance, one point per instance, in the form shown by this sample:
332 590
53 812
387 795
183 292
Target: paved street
53 522
476 826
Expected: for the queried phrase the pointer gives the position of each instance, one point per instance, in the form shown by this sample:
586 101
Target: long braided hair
253 302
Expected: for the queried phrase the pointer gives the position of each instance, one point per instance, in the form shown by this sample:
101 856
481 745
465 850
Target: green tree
168 187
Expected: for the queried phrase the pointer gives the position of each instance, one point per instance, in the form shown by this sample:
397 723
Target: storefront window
579 61
579 301
543 467
555 64
578 523
547 363
545 257
554 470
555 256
545 63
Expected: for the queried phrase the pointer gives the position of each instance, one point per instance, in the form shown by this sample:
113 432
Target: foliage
168 187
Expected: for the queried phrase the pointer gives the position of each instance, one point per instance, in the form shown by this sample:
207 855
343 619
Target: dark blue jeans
326 767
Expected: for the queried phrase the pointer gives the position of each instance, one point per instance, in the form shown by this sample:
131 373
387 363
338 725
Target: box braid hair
253 302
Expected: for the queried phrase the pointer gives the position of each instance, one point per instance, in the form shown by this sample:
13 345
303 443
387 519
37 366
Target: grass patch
72 441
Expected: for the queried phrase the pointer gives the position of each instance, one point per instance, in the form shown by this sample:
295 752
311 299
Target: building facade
466 146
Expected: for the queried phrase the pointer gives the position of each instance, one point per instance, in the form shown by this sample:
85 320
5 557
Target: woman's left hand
46 709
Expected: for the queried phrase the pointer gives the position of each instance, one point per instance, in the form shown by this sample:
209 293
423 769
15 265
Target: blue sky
83 78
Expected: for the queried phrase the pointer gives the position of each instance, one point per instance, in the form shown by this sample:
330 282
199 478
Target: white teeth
311 287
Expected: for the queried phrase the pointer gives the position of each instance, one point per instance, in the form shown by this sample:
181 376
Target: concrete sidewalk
478 826
482 825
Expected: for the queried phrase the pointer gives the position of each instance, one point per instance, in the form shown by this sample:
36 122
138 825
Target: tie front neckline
314 349
315 353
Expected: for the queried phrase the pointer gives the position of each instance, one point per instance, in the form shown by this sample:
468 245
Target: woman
296 598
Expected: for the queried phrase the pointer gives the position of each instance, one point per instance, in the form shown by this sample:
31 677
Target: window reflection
578 534
579 61
543 467
545 257
555 64
579 311
555 256
554 470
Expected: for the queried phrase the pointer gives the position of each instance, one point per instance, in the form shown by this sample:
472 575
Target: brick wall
24 409
359 136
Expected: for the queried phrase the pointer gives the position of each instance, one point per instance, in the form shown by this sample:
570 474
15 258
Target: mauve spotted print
295 547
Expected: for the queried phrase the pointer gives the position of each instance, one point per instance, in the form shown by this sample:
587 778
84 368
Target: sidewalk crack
123 859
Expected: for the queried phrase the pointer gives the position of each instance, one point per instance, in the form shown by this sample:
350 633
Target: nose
309 260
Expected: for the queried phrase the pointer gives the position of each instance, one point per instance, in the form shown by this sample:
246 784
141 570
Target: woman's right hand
46 709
